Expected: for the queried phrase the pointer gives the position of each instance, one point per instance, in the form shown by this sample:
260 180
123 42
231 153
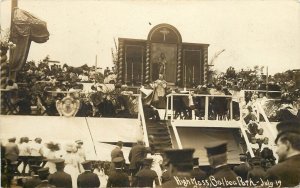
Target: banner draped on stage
25 28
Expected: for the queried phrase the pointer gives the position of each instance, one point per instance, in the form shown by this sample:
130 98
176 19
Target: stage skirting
93 131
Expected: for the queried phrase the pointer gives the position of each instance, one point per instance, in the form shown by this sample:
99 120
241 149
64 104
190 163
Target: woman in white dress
156 163
51 156
72 163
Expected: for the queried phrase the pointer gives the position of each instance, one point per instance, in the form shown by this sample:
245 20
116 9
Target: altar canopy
24 29
181 64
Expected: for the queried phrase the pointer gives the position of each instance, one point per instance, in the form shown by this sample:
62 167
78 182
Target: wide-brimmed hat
53 146
70 147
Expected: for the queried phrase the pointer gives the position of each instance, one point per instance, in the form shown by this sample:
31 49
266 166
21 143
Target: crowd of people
149 166
33 94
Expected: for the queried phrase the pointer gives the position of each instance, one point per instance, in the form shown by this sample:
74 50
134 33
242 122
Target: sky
252 32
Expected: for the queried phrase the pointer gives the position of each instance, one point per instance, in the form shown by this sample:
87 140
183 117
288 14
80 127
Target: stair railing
141 116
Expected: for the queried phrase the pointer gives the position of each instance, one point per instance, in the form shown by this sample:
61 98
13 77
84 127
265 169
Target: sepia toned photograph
157 93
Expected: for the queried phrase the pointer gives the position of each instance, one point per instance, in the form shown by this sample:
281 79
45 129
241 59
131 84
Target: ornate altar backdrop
182 64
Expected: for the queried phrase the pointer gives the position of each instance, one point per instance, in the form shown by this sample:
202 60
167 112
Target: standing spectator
136 156
217 157
72 162
156 163
24 152
60 178
11 156
118 178
36 148
145 177
51 156
88 178
80 150
116 152
11 150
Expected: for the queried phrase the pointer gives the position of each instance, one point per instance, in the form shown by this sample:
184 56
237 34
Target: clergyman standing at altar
159 87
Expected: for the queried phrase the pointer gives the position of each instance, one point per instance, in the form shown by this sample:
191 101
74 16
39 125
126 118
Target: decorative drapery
24 29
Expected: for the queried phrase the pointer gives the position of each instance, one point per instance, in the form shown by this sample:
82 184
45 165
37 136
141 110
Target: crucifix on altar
164 32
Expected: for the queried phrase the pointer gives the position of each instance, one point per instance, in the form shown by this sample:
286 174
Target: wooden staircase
159 134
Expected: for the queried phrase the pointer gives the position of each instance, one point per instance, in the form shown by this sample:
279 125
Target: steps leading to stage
159 130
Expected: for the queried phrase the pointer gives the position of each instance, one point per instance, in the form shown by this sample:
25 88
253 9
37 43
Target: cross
164 32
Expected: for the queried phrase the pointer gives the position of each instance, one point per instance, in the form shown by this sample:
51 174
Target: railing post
177 137
172 111
167 109
231 112
143 122
206 108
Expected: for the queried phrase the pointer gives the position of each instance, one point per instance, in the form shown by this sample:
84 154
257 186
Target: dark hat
43 172
215 148
180 156
35 168
59 162
147 161
119 143
38 139
118 161
25 139
87 165
196 161
256 160
53 146
79 142
12 139
287 127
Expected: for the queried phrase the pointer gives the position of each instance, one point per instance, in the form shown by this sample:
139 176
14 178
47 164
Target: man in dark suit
118 178
145 177
136 156
11 156
43 174
180 165
60 178
257 172
217 157
243 168
115 153
288 151
11 150
88 178
197 173
34 180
